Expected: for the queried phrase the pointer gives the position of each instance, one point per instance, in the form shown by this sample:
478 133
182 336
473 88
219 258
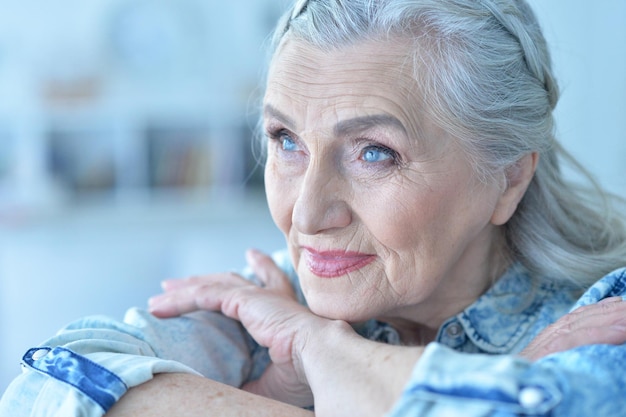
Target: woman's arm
184 395
578 368
95 360
349 375
187 395
353 376
308 352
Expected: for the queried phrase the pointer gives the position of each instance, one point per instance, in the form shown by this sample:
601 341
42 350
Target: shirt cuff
93 385
97 383
445 381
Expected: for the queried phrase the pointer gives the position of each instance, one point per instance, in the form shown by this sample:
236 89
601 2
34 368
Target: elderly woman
434 250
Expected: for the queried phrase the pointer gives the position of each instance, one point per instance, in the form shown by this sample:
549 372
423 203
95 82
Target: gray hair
489 83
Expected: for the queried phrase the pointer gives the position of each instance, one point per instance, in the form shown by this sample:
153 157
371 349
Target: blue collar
512 312
503 320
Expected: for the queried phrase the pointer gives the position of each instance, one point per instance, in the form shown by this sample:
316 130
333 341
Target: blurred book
179 157
82 160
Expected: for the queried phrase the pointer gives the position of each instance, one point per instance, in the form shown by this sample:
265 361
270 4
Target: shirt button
530 397
38 354
454 330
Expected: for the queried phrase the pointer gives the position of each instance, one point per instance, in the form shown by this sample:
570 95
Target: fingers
167 305
608 312
183 296
601 323
269 273
560 343
216 291
261 264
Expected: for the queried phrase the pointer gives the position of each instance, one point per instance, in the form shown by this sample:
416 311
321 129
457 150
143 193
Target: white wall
588 43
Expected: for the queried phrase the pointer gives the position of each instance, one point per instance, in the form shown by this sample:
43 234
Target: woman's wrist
351 375
313 347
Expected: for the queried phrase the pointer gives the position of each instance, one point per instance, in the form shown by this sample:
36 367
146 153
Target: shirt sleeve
586 381
90 364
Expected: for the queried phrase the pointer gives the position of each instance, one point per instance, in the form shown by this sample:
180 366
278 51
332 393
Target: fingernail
170 284
155 307
153 301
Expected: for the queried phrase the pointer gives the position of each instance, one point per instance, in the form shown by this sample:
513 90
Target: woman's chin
333 310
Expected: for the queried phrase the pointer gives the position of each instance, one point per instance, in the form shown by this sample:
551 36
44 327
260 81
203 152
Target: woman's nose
321 204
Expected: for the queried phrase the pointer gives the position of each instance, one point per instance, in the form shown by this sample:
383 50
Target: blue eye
377 154
288 144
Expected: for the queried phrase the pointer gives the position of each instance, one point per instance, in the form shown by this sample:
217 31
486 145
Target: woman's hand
270 314
350 375
601 323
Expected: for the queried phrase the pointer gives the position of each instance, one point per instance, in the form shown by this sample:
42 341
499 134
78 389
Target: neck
419 324
413 334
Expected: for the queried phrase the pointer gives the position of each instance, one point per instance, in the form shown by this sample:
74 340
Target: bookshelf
119 160
115 111
115 158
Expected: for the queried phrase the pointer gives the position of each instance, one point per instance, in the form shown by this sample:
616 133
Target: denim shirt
471 369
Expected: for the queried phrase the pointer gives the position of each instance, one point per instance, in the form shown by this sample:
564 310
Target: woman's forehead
357 79
382 62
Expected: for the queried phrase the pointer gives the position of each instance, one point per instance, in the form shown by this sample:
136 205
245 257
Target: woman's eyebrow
271 111
360 124
344 127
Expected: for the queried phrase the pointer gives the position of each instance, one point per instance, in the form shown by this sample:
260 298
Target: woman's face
382 212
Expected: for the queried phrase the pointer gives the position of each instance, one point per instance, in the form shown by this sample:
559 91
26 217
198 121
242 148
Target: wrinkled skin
384 217
601 323
277 321
270 314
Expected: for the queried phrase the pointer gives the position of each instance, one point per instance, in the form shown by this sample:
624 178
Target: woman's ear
518 177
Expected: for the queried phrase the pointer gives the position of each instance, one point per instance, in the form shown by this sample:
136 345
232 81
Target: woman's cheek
279 191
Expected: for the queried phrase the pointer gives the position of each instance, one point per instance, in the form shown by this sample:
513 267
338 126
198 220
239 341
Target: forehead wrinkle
360 124
313 75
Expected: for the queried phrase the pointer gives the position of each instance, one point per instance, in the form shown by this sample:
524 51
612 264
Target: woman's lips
332 264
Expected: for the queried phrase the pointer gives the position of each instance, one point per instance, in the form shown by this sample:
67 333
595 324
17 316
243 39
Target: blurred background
125 144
